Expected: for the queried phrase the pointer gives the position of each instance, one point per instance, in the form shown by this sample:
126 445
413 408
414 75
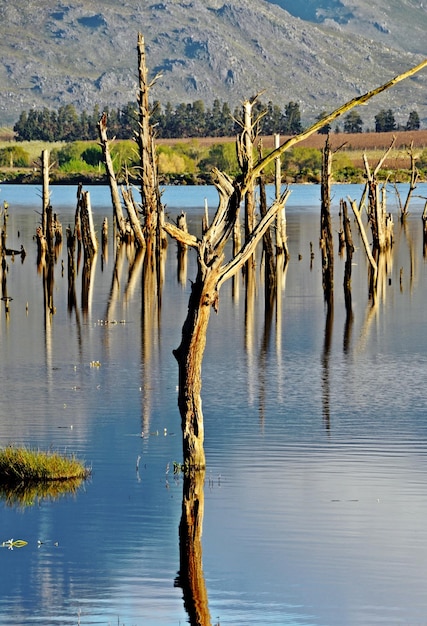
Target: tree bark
150 195
45 190
326 236
211 273
112 182
204 295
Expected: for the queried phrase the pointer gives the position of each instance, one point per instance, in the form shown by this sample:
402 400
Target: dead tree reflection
190 576
326 356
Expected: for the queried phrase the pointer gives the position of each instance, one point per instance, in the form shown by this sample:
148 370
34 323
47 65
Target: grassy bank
190 161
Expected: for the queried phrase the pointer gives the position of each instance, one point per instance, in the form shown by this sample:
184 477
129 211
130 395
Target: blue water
315 434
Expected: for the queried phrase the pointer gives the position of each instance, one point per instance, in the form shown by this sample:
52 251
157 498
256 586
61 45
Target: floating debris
10 543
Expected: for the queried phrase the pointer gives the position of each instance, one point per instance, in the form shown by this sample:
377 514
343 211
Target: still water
315 509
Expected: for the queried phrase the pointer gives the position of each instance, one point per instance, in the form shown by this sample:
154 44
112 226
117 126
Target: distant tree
228 125
326 129
214 119
384 121
353 123
273 120
413 122
168 121
197 119
129 121
20 128
293 118
68 123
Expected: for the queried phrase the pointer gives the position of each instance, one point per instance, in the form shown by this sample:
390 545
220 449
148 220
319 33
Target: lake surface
315 499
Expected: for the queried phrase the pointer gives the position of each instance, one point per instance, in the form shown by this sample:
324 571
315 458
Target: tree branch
180 235
251 243
332 116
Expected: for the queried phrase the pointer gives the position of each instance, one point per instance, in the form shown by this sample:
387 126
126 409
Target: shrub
14 156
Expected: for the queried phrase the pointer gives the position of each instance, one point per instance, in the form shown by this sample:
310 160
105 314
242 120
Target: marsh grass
26 466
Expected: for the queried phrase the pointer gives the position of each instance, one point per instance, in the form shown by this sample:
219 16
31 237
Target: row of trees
185 120
385 122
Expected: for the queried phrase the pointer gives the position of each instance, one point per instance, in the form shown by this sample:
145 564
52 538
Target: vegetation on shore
190 161
22 465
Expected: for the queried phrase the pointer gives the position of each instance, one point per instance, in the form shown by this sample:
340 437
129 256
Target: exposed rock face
318 53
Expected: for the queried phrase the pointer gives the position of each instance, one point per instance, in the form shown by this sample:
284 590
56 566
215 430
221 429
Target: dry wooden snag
212 271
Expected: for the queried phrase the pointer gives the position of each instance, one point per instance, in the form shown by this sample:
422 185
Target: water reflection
190 576
326 354
28 494
328 488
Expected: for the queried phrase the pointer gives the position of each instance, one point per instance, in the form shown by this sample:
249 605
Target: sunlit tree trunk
211 273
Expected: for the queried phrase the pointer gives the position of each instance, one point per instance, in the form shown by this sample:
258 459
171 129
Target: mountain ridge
82 53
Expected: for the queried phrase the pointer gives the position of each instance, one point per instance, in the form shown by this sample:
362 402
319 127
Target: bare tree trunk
211 274
182 249
372 261
45 190
424 220
281 235
90 244
326 236
152 207
404 208
71 275
112 182
381 222
42 248
133 217
349 257
269 259
204 295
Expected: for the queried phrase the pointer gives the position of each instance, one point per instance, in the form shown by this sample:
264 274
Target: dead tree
281 235
424 220
381 222
326 236
90 243
414 175
182 249
45 168
349 255
112 182
152 208
245 157
42 248
270 283
212 272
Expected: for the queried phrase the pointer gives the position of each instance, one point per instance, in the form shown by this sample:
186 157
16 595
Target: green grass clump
23 465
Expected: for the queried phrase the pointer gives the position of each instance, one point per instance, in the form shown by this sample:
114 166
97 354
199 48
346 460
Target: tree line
185 120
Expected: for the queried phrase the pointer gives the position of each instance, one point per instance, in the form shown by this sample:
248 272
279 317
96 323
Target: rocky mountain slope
84 52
